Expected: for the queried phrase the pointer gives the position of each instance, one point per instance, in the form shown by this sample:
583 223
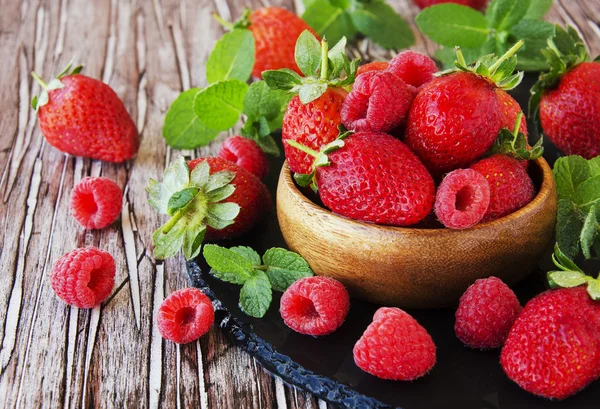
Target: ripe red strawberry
373 177
373 66
510 111
568 97
475 4
246 154
455 118
82 116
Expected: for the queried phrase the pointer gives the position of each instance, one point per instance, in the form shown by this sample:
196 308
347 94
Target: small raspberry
315 305
246 154
486 313
84 277
373 66
185 315
462 199
379 102
413 68
395 346
96 202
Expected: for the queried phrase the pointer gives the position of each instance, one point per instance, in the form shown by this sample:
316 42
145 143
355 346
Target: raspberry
394 346
315 305
486 313
96 202
379 102
185 315
84 277
462 199
373 66
413 68
246 154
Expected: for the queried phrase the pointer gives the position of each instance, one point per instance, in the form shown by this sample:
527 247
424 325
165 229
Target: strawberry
566 100
372 177
553 349
475 4
313 116
82 116
455 118
210 198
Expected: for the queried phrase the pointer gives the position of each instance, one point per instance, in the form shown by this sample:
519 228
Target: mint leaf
587 193
227 263
249 253
503 14
528 29
380 22
329 21
569 172
454 25
308 54
594 165
538 9
260 100
179 199
568 227
285 267
589 233
219 106
256 295
183 129
232 57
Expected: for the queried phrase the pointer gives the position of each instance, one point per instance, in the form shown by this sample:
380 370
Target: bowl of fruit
411 220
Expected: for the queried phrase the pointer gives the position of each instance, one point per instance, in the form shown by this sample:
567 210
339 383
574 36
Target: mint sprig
577 224
570 275
194 200
278 269
504 23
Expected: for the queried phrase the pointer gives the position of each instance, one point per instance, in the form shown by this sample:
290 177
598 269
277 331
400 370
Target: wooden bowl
416 267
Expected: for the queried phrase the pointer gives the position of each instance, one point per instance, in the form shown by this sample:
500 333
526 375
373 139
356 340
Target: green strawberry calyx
194 201
55 83
566 49
242 22
514 143
321 158
499 70
570 275
322 67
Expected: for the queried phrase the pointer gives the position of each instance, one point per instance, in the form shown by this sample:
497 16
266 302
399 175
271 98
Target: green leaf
232 57
219 106
229 262
587 193
283 79
200 175
528 29
380 22
594 165
329 21
503 14
308 54
589 233
567 279
569 172
192 242
269 146
168 244
220 194
248 253
183 129
593 289
568 228
562 261
454 25
175 178
256 295
219 180
538 9
285 267
260 100
221 215
311 91
179 199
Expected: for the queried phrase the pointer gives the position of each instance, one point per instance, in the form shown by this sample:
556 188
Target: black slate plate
462 378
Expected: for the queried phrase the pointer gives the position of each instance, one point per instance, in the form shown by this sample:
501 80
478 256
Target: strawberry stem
171 223
39 80
507 54
302 148
460 57
324 59
518 123
226 24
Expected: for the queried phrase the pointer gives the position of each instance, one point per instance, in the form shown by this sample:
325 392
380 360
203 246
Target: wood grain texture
54 356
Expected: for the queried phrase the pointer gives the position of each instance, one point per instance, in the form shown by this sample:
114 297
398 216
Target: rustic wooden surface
112 356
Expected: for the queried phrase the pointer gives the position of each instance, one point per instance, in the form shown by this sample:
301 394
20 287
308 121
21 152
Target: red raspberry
379 102
462 199
185 315
84 277
246 154
96 202
486 313
413 68
394 346
373 66
315 305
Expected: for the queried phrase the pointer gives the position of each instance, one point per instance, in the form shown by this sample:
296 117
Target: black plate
462 378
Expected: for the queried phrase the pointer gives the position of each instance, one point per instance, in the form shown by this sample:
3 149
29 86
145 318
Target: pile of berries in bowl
425 180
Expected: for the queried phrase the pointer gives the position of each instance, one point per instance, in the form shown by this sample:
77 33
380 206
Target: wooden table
113 356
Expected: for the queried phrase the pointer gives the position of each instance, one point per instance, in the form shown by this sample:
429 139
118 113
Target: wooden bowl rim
545 191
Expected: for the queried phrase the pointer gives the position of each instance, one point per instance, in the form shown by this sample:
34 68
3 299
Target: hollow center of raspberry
88 204
97 280
306 308
464 198
185 315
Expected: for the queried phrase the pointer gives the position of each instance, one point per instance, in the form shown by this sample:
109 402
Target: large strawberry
567 99
553 349
313 116
209 198
82 116
455 118
372 177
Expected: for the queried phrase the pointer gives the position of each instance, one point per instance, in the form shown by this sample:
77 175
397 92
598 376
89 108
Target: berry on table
462 199
315 305
413 68
485 314
84 277
373 66
185 315
395 346
246 154
96 202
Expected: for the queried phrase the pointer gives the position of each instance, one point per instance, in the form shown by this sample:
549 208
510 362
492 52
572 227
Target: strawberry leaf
308 54
180 199
192 242
283 79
